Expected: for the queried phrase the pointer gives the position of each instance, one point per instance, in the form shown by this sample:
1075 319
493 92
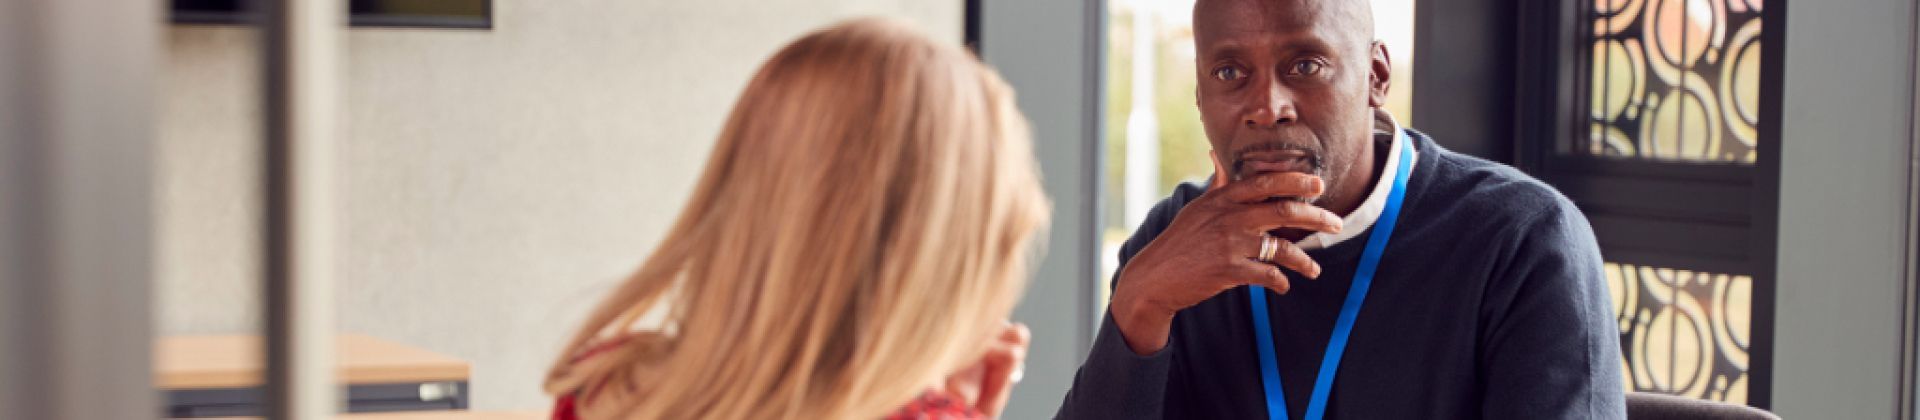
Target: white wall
496 181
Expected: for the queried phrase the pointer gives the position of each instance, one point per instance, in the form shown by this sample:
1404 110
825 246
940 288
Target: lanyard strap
1343 327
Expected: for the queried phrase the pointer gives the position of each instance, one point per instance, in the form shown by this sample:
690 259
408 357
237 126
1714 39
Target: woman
852 251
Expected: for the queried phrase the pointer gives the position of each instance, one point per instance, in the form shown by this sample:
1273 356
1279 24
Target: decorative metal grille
1674 80
1677 81
1683 333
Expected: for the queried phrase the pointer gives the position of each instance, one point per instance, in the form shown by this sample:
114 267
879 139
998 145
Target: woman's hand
988 382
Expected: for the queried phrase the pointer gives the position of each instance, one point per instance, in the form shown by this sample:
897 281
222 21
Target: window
1652 115
1678 81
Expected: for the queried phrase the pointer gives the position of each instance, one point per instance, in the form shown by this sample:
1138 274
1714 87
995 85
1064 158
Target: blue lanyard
1343 327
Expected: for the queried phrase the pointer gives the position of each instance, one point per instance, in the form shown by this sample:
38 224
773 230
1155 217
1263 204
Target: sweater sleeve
1550 348
1114 382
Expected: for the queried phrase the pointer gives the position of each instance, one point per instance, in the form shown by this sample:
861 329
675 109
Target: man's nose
1270 106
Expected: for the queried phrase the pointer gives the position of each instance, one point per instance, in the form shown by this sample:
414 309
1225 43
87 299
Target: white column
303 72
1142 170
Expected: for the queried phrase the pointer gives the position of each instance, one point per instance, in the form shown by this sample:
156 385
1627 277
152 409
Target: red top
929 406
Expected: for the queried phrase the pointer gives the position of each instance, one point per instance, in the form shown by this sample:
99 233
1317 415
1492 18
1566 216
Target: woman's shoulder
929 405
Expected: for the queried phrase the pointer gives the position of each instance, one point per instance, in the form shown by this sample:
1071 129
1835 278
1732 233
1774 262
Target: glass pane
1154 140
1674 80
1682 332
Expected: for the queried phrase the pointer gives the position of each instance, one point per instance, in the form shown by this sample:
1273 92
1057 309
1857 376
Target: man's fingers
1263 275
1289 214
1274 184
1291 257
1219 173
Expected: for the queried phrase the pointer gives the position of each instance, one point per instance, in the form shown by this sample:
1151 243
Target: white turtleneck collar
1384 127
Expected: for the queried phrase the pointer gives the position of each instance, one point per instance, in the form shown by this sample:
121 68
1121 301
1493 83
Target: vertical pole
302 75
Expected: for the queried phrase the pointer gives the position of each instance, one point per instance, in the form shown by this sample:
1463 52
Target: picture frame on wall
454 14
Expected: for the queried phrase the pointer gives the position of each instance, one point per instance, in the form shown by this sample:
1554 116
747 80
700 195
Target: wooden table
221 375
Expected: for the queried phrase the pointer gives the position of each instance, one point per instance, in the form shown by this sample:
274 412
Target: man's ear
1380 76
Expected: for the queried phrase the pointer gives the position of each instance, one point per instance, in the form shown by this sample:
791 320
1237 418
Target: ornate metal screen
1683 333
1675 79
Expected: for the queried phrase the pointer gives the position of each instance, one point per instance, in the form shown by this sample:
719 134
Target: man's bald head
1290 85
1351 17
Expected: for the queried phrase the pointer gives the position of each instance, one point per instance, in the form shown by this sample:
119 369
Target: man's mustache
1239 157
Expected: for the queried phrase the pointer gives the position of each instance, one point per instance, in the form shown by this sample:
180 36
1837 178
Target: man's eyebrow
1224 49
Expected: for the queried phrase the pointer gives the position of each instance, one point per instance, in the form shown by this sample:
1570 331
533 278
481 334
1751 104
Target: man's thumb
1219 173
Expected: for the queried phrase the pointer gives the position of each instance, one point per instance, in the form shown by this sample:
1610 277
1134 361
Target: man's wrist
1143 326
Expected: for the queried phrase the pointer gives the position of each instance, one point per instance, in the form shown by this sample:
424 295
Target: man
1483 298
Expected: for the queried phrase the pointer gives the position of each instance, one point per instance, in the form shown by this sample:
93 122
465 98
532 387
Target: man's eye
1305 68
1228 73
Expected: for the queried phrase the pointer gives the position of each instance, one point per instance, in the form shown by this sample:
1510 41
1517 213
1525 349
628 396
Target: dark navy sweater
1489 302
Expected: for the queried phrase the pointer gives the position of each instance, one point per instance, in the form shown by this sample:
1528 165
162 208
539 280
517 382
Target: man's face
1289 85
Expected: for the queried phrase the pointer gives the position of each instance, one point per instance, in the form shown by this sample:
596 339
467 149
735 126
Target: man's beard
1318 162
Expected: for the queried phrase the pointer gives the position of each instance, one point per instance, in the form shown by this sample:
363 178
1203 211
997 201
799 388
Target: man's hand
1211 246
986 384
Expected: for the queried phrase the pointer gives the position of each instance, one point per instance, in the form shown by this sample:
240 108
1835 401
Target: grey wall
1465 76
76 99
495 182
1847 108
1048 51
1913 234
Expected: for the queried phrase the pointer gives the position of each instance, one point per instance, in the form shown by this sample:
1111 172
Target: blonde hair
861 230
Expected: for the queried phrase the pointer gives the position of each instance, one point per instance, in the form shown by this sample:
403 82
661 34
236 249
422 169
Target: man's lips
1301 165
1275 161
1267 161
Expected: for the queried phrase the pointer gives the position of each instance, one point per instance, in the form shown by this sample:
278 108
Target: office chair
1648 406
